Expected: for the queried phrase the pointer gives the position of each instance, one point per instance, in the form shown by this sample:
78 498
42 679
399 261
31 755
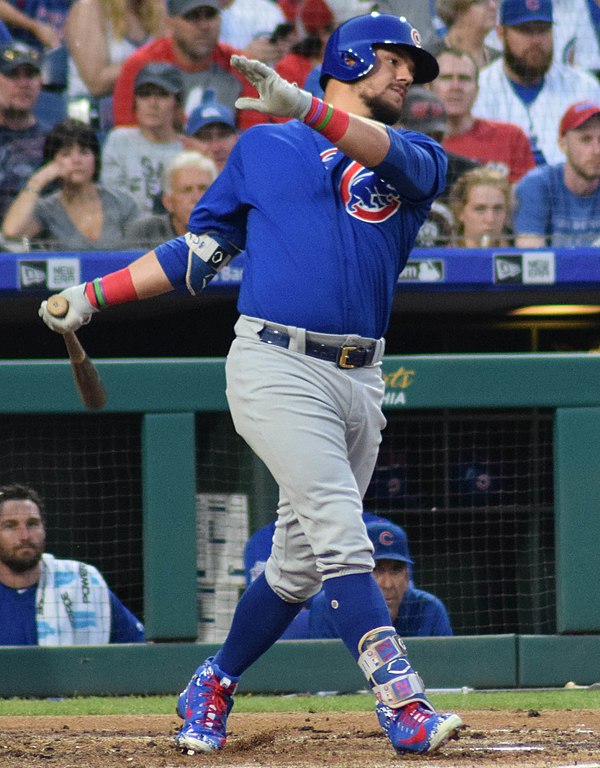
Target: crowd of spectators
151 79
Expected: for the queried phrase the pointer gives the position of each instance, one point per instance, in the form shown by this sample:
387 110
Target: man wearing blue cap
525 86
414 612
211 129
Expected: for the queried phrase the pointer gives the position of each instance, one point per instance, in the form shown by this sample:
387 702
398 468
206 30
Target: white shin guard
384 663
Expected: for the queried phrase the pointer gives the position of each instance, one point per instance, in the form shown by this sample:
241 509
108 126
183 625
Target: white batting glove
80 311
277 96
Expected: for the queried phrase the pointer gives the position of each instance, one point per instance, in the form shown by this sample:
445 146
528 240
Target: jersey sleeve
415 165
124 626
222 208
220 212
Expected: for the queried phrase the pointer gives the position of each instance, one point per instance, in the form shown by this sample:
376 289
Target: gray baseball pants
317 428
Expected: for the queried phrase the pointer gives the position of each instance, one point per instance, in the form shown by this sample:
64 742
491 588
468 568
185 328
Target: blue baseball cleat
415 728
204 704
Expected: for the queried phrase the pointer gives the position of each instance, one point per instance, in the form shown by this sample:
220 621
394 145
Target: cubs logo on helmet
366 196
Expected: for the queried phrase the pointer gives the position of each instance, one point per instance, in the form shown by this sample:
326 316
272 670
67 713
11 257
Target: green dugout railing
170 392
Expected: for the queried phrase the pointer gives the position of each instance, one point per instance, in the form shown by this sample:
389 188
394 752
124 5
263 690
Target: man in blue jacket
414 612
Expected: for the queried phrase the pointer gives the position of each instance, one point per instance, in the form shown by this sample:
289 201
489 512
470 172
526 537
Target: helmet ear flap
358 63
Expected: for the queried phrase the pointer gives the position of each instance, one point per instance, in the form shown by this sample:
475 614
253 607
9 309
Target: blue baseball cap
206 114
390 542
513 12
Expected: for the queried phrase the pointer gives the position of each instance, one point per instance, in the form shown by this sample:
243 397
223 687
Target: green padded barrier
552 661
577 519
288 667
169 487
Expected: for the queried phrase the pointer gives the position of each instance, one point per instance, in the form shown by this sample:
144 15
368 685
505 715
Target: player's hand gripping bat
85 374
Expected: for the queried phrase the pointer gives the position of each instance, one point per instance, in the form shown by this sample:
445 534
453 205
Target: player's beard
528 71
23 563
381 110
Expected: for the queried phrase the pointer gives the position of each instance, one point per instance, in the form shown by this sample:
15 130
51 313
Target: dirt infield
301 740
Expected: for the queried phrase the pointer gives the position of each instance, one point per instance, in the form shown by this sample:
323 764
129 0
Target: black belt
344 357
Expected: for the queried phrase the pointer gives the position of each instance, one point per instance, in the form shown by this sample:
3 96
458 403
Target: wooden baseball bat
87 380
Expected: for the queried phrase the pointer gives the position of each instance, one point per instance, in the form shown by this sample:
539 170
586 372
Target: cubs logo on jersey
366 196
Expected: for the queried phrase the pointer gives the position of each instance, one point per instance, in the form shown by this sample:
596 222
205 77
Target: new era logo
508 269
53 274
32 274
530 268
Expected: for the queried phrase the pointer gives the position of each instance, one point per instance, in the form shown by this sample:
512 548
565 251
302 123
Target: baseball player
326 207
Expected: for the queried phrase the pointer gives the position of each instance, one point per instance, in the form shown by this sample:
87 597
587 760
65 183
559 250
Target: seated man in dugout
45 600
413 612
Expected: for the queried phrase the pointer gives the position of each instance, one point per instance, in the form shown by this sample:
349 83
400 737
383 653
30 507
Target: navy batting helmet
349 53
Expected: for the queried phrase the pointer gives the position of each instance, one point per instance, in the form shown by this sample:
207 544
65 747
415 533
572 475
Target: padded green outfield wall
170 392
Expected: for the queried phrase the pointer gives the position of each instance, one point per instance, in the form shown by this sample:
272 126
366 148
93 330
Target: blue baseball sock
259 620
356 606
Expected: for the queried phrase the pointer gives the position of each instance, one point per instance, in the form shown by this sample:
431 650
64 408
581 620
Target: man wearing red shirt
489 142
192 45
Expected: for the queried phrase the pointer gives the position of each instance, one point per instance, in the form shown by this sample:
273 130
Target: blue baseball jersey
324 238
421 614
18 624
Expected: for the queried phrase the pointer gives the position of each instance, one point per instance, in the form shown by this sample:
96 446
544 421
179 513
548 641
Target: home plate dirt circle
518 738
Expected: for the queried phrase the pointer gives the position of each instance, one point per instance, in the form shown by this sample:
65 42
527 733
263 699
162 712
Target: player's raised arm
356 108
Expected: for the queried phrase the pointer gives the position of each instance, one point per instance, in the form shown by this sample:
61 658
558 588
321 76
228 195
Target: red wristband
326 119
115 288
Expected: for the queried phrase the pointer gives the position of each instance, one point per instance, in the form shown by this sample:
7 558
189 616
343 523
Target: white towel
72 604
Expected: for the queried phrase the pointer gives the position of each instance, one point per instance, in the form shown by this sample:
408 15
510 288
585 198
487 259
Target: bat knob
58 306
